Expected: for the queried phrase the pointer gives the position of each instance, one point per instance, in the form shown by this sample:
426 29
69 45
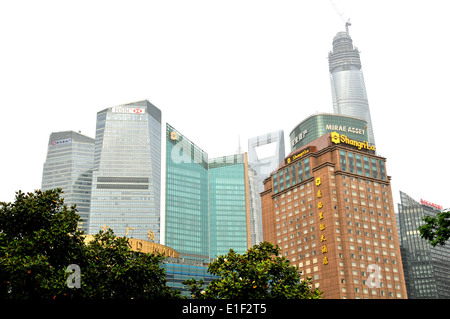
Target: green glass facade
291 175
186 207
227 205
179 270
362 165
317 125
206 201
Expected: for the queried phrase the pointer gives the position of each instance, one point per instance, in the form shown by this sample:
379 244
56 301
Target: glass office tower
265 165
229 206
186 197
256 228
207 202
69 165
347 81
127 171
425 267
260 168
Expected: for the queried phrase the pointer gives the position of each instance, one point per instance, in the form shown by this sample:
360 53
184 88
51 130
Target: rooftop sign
429 204
337 138
298 155
62 141
127 110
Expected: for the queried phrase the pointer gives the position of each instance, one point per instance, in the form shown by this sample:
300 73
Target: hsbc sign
128 110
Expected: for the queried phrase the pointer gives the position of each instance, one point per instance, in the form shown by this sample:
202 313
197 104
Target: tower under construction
347 81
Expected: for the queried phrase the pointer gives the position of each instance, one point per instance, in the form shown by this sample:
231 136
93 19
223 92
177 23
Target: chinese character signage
322 226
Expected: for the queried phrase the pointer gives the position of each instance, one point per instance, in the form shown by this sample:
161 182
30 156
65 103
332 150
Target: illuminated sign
337 138
63 141
320 206
173 135
298 155
429 204
343 128
128 110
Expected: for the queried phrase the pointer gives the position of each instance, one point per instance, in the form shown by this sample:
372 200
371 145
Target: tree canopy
258 274
436 230
39 240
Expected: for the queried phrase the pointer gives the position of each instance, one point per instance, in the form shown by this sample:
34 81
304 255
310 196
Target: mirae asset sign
343 128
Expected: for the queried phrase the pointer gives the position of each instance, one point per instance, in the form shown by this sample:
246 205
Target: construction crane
347 24
341 15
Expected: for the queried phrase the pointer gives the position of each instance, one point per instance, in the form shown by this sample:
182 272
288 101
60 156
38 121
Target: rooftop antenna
239 150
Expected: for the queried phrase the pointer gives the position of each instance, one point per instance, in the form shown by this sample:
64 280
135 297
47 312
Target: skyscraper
186 197
69 164
127 171
256 229
425 267
329 207
229 205
207 201
265 165
260 168
348 89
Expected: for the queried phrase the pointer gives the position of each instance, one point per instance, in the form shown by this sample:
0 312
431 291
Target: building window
343 161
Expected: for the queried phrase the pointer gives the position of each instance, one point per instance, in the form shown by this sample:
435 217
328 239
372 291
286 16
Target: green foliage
258 274
436 230
113 270
39 239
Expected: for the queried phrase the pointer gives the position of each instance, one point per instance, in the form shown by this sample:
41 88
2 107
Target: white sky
223 69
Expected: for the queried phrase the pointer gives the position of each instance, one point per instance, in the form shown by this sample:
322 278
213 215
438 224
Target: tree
113 270
258 274
39 239
436 230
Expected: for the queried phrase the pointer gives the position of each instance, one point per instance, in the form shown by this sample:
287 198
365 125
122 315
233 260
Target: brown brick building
329 208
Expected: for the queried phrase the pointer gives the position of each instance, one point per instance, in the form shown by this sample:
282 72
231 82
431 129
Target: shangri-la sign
337 138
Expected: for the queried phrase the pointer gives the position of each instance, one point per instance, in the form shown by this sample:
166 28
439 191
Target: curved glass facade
317 125
127 171
348 89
